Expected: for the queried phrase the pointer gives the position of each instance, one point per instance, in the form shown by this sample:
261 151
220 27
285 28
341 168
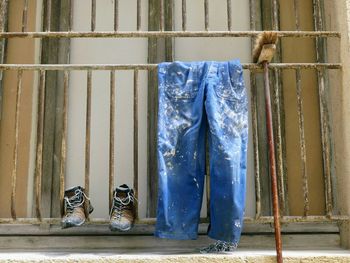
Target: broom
264 49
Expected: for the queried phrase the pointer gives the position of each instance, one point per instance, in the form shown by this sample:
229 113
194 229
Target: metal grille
321 67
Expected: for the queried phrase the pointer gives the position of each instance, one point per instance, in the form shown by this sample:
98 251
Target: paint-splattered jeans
195 98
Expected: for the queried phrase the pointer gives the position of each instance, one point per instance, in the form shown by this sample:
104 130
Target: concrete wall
338 18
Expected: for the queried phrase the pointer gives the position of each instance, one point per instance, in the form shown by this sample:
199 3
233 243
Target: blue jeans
195 98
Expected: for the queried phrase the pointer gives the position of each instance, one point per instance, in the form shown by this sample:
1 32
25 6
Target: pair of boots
77 206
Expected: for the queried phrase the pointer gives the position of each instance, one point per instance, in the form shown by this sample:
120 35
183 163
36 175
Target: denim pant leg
181 163
226 107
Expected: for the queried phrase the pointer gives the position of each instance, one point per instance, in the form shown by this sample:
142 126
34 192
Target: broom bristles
262 39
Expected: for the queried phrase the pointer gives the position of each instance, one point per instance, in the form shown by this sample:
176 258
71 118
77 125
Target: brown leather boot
123 211
74 208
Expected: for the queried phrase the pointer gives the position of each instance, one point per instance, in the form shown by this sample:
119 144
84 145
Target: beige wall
18 51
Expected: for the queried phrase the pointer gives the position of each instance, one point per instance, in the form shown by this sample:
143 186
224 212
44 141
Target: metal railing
320 67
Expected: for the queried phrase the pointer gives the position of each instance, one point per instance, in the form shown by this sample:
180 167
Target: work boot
122 215
74 207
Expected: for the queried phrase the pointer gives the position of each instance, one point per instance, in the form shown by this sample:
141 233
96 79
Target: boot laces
120 204
219 246
75 201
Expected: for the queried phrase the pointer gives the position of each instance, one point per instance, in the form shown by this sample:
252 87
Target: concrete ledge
241 256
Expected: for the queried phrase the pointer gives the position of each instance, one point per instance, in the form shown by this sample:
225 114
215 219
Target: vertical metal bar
39 144
325 129
296 6
116 15
253 105
48 15
302 142
229 15
206 14
136 145
161 7
64 137
278 119
111 136
184 16
15 148
25 16
138 15
93 15
87 136
71 14
272 163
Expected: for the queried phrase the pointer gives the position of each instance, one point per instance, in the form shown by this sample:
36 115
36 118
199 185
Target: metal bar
206 15
296 6
324 112
229 15
161 24
247 66
254 117
93 15
48 16
151 221
136 144
302 142
71 17
87 138
64 138
116 15
272 163
15 148
111 136
39 146
138 15
146 34
184 16
25 16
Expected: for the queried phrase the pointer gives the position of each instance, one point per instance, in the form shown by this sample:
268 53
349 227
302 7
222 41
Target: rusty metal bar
272 164
111 136
39 144
138 15
151 221
296 6
324 111
146 34
161 24
136 144
25 16
15 148
254 116
48 16
64 137
206 15
229 15
93 15
71 16
116 15
184 16
247 66
302 142
87 137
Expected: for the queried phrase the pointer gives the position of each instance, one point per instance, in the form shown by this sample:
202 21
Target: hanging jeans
195 98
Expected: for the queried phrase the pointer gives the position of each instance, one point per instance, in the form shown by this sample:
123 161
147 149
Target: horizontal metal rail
151 221
146 34
250 66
